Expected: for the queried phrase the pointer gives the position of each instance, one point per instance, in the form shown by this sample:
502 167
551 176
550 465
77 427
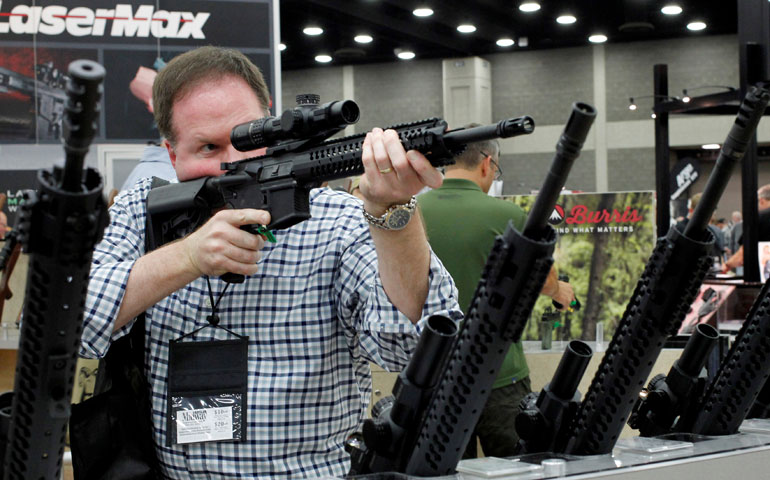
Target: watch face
398 218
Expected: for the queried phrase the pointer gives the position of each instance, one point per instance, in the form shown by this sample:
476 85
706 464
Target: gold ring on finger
386 170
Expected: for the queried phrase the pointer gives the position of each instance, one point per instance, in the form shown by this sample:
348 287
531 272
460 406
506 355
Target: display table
684 457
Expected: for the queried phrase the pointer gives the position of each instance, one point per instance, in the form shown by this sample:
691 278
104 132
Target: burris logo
557 216
84 21
581 214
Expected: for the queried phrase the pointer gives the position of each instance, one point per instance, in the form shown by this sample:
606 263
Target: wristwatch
395 218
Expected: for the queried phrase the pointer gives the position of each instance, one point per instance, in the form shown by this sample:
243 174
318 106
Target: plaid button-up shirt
315 314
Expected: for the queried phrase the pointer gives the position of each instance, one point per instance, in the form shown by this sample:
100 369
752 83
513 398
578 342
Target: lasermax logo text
121 21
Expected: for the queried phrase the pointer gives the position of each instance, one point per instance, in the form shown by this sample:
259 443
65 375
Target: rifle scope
306 120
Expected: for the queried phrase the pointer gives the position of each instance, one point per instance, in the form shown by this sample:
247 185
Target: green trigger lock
262 230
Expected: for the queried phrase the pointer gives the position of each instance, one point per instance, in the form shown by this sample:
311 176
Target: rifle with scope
431 440
662 297
59 225
298 159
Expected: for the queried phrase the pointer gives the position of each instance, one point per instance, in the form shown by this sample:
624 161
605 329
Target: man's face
762 203
202 121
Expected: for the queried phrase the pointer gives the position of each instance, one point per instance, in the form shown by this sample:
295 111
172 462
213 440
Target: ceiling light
523 41
466 28
696 26
404 54
631 104
597 38
566 19
505 42
671 10
711 146
422 12
282 47
653 116
363 38
529 7
323 58
313 31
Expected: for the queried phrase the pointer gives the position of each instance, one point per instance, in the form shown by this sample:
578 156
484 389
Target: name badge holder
207 388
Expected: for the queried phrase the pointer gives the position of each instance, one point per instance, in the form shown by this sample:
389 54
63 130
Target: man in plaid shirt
333 294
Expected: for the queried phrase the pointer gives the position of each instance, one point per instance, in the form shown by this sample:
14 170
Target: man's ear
171 152
486 165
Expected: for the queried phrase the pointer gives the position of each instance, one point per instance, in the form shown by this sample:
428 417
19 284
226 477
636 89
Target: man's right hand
220 246
564 296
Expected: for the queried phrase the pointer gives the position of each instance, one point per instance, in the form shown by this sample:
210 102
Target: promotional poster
124 37
13 183
604 242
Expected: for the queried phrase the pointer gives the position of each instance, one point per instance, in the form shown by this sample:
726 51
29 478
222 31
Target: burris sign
122 20
582 219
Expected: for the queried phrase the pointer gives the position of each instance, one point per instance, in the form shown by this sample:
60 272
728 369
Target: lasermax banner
121 21
126 37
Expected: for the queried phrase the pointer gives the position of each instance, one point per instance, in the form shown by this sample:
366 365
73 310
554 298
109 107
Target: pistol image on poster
59 225
661 299
433 439
298 158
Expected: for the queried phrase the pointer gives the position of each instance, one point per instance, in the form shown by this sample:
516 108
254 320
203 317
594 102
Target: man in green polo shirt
462 222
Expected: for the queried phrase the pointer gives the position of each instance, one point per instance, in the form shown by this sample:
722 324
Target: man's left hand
392 175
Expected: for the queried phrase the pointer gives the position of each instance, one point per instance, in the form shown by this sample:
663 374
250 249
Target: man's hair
764 192
471 157
694 200
188 70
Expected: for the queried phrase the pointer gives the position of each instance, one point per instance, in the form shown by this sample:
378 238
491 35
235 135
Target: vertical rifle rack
754 43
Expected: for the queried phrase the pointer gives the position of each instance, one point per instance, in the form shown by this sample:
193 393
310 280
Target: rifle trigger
257 229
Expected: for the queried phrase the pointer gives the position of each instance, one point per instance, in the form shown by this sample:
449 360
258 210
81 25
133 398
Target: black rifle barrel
660 301
81 114
750 112
567 150
510 127
669 399
60 225
545 416
741 376
513 276
388 436
571 368
696 351
432 349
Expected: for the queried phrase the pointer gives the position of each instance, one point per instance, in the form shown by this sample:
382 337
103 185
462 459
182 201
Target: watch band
395 217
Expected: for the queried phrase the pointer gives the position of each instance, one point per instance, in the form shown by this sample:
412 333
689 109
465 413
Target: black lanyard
213 319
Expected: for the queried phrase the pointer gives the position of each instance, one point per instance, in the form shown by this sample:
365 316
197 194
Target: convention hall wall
618 156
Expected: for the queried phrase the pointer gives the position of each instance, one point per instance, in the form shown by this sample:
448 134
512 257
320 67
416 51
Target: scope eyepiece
305 121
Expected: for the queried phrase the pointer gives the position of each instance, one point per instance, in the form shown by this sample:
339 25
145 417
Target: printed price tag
204 425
